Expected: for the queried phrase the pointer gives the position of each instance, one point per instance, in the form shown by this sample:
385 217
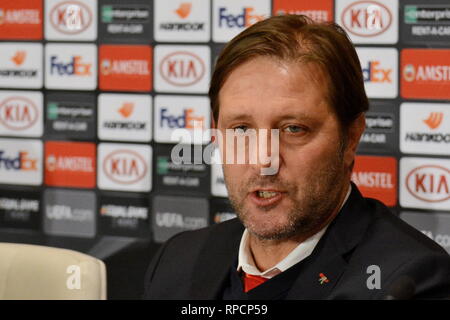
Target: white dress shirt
302 251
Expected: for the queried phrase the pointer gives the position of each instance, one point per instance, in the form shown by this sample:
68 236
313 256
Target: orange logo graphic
184 10
21 19
425 74
318 10
434 120
376 177
19 58
125 67
70 164
127 109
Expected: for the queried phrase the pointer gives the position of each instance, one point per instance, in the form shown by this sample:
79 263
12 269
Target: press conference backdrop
91 92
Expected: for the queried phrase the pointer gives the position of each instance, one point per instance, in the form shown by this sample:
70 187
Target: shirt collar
302 251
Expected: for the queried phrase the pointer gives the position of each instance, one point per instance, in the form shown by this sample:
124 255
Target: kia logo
182 68
71 17
429 183
125 166
366 18
18 113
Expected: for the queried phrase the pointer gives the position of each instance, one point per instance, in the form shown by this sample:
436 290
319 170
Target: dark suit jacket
196 264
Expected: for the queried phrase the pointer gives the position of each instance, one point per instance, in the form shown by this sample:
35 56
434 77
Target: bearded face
313 158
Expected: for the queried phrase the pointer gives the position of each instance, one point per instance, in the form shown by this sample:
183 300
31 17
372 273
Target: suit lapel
324 267
319 273
214 263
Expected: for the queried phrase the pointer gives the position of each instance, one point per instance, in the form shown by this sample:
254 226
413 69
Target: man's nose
266 152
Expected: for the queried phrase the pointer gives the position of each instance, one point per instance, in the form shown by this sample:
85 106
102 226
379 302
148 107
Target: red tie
251 281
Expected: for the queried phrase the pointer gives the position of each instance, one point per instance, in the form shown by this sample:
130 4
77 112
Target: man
304 232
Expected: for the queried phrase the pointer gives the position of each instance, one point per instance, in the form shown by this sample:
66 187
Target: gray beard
321 199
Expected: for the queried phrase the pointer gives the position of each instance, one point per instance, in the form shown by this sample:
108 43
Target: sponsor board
425 128
71 66
21 20
182 21
181 178
434 225
191 114
319 10
376 177
71 20
425 183
70 116
125 117
425 21
125 67
183 69
172 215
21 113
232 17
21 65
130 21
425 73
369 21
20 209
69 213
124 167
21 161
380 71
124 216
218 187
70 164
221 210
381 133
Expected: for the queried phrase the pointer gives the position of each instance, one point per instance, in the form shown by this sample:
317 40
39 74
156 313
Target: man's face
312 176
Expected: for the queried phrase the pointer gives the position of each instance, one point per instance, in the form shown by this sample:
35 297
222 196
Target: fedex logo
22 162
380 71
75 67
373 72
185 120
72 67
179 115
246 18
231 17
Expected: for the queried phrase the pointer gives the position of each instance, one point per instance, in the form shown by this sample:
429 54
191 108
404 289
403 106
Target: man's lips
266 197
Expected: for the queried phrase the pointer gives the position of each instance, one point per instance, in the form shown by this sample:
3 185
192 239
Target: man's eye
240 129
293 129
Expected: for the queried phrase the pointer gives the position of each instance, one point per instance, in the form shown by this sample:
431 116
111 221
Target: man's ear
354 132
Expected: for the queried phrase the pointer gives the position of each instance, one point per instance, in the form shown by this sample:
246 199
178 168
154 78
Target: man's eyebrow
287 116
237 116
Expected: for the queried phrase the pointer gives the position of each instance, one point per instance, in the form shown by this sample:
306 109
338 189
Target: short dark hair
297 38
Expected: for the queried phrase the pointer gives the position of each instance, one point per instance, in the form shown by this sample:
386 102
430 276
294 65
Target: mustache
259 181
